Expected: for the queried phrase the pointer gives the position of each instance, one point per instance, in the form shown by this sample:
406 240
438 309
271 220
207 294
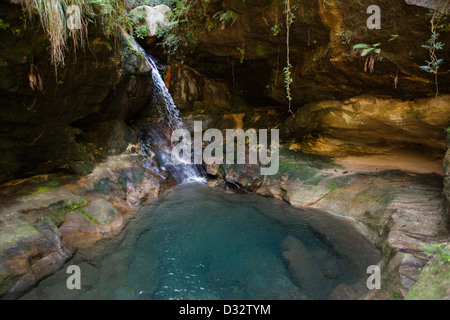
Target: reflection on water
203 243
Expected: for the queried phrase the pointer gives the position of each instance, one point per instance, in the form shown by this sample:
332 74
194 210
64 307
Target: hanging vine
287 70
434 44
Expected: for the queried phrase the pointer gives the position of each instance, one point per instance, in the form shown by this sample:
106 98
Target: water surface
204 243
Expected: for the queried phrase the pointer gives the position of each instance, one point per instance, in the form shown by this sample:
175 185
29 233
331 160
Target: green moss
101 187
90 219
10 235
261 49
43 189
389 199
39 185
338 183
61 209
313 160
297 170
433 283
318 179
381 195
5 280
81 149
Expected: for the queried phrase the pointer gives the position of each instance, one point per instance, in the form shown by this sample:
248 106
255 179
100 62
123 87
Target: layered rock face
367 125
321 39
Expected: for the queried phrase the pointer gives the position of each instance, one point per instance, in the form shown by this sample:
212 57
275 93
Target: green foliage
210 26
228 16
393 37
90 219
242 52
276 30
433 45
371 52
437 249
54 14
6 26
290 17
141 31
347 37
184 20
76 205
288 81
365 49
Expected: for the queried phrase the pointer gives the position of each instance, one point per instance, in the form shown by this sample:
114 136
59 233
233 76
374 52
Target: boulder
152 17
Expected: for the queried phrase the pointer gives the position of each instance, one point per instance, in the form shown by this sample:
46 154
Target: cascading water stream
160 136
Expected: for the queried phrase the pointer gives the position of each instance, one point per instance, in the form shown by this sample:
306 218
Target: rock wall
62 119
447 179
321 39
370 125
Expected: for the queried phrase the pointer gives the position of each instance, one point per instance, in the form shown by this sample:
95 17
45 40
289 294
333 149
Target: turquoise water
204 243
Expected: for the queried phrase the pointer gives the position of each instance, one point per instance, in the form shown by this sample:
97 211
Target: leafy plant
288 81
210 26
433 44
54 14
186 18
276 30
347 37
290 17
437 249
141 31
242 52
371 53
393 37
228 16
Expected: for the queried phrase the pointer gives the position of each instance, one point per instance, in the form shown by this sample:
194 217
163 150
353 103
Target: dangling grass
54 15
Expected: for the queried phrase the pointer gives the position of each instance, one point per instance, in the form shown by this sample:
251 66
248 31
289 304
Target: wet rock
191 90
430 4
305 273
356 291
28 254
434 281
135 64
44 220
396 211
213 169
105 215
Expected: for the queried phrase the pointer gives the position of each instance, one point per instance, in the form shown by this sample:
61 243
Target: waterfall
159 135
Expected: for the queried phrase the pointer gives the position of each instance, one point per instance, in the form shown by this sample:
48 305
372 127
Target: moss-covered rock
433 283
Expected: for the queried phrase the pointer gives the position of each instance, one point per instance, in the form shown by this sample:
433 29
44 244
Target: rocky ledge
46 218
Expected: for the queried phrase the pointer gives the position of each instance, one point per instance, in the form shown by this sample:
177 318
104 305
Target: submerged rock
304 271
